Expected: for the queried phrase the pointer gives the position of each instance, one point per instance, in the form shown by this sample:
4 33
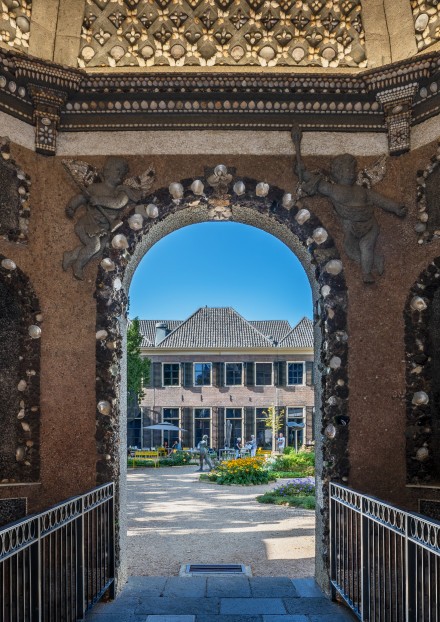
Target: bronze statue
354 202
104 197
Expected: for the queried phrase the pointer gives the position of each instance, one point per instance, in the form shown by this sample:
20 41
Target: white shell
26 427
152 210
20 453
104 407
239 188
101 334
330 431
117 284
8 264
220 170
302 216
21 414
420 398
197 186
421 22
135 222
176 190
34 331
325 290
422 454
418 304
320 235
120 241
22 385
335 362
288 201
262 189
108 264
334 267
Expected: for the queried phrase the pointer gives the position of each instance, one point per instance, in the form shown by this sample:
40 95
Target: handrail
55 565
384 561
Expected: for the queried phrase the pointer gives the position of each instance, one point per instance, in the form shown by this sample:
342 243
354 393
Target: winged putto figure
104 197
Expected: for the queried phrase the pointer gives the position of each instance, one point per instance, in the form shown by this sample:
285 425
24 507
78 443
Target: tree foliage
138 367
274 419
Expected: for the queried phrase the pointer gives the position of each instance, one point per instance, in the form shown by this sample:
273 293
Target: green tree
274 420
138 367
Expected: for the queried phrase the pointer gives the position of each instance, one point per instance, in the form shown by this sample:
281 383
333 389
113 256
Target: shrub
177 458
301 463
299 492
245 471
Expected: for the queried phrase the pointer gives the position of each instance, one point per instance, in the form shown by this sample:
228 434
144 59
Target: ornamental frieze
119 33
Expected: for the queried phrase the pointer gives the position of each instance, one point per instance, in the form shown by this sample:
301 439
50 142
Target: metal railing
385 562
54 566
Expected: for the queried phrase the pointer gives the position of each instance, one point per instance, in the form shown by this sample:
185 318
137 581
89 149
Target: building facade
218 374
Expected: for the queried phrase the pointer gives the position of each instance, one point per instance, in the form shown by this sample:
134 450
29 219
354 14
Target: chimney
161 332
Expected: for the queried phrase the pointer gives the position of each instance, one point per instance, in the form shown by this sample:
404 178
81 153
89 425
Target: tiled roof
277 329
301 336
223 327
148 330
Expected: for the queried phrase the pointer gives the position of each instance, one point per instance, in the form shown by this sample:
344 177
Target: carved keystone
397 106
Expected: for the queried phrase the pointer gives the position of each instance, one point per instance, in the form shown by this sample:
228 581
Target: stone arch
20 333
422 344
264 207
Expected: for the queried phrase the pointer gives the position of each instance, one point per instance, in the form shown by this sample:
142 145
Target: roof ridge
270 342
180 325
295 327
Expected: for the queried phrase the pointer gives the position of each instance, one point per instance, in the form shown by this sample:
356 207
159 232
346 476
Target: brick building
216 373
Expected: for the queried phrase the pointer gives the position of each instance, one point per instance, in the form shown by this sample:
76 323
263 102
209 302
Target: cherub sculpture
354 202
104 196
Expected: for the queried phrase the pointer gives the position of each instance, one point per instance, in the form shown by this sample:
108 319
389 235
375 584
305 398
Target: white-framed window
233 374
171 374
262 431
296 426
202 374
171 415
234 423
263 374
202 425
296 373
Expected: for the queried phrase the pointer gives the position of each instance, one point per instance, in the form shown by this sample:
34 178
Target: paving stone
248 606
344 615
228 587
151 586
103 616
307 588
172 605
188 587
310 606
286 618
175 618
228 618
272 587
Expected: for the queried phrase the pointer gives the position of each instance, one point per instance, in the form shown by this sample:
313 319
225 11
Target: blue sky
220 264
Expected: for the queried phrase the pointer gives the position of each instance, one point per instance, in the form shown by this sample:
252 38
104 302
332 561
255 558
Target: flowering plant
299 492
246 471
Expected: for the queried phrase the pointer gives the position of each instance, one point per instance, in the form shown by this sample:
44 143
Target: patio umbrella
165 426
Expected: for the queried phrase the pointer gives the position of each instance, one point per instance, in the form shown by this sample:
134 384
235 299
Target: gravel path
175 519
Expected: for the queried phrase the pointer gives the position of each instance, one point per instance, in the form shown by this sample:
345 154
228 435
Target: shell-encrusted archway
221 195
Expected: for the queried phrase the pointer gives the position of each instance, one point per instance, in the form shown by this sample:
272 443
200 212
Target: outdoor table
226 454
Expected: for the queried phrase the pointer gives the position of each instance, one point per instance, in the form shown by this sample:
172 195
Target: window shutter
276 373
309 373
187 375
220 428
187 424
282 365
221 375
249 374
157 375
249 423
310 425
217 374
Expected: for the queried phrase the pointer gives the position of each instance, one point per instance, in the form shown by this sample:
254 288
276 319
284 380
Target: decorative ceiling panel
15 23
228 33
426 15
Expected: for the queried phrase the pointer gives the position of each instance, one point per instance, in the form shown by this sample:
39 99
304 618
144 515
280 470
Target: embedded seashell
34 331
120 241
135 222
239 188
334 267
220 170
39 317
420 227
302 216
330 431
422 454
421 22
113 370
22 385
176 190
197 186
262 189
108 457
325 291
8 264
117 284
287 201
108 264
423 217
152 211
21 414
420 398
26 427
101 334
104 407
418 304
20 453
335 362
320 235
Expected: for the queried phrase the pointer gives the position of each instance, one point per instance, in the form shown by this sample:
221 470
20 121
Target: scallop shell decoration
239 188
176 190
152 210
34 331
135 222
104 407
262 189
120 241
320 235
302 216
108 264
8 264
418 304
288 201
333 267
197 186
420 398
